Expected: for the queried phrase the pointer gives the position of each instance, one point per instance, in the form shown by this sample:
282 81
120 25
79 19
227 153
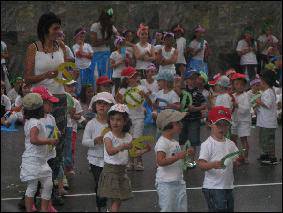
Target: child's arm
114 150
162 160
204 165
76 116
88 140
192 108
171 60
36 140
143 151
176 106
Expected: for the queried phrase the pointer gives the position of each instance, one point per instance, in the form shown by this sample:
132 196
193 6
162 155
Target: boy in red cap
104 84
218 182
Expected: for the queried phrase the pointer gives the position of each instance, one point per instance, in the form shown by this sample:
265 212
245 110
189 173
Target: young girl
158 42
181 47
34 165
117 61
149 82
137 114
167 56
93 139
86 95
104 84
199 51
83 55
144 51
114 182
129 38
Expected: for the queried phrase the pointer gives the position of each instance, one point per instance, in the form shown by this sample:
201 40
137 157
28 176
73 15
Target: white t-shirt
130 52
70 54
171 97
205 93
82 63
181 46
3 49
5 101
171 172
194 44
157 48
96 28
243 112
267 117
19 101
93 130
79 109
263 38
137 113
12 94
153 87
50 125
167 55
116 56
224 100
121 158
213 150
31 150
142 65
248 58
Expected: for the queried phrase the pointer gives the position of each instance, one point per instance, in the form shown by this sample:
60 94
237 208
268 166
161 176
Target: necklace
46 50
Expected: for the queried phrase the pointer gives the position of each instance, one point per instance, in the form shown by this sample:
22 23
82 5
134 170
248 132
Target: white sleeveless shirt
142 65
167 55
44 63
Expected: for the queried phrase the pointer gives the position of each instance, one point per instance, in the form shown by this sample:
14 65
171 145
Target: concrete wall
224 22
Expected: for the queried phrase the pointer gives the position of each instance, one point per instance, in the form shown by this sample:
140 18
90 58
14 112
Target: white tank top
43 63
142 65
167 55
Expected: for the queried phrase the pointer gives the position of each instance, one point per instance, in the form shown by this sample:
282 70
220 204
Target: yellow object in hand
138 144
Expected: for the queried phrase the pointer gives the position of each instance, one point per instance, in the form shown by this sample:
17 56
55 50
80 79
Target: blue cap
189 73
165 75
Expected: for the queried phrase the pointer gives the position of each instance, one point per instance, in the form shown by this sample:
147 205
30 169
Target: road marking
153 190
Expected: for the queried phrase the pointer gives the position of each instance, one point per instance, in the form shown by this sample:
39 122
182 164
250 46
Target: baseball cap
199 29
45 94
190 73
128 72
230 71
164 75
219 113
223 81
119 108
102 96
167 116
32 101
103 80
238 76
215 79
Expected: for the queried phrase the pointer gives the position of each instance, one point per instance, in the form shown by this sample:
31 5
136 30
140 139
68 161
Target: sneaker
130 166
33 208
51 208
102 209
262 157
58 201
270 161
65 182
139 167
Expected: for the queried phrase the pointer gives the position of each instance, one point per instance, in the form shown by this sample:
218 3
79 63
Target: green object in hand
229 157
188 161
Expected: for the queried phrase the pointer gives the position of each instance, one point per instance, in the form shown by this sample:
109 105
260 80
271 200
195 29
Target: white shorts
137 128
241 128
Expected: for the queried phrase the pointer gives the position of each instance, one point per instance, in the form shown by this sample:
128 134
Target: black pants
250 70
96 171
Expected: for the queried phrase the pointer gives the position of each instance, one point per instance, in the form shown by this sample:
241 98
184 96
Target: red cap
102 80
219 113
215 79
230 71
128 72
238 76
45 94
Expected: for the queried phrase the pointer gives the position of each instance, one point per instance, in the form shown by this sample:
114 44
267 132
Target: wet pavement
258 188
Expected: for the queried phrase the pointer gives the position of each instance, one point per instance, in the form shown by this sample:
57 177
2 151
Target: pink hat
199 29
45 94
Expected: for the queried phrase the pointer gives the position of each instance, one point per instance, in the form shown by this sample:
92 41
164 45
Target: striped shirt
198 100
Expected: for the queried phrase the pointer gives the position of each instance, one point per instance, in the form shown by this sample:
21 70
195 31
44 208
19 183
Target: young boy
192 121
241 125
171 187
218 181
267 118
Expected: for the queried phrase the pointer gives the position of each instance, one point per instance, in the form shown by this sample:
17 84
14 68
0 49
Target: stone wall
223 20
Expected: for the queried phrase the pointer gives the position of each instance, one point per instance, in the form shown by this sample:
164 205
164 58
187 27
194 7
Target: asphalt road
258 188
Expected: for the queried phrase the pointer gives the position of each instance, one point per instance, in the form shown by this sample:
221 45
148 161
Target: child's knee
47 186
31 189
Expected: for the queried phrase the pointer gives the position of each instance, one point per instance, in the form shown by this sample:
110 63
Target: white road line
153 190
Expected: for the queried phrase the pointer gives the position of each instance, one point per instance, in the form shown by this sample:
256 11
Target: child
117 61
192 121
202 81
13 92
83 55
213 90
171 187
34 165
241 125
267 118
104 84
167 55
114 182
93 139
218 181
181 47
129 38
149 82
137 114
5 105
86 95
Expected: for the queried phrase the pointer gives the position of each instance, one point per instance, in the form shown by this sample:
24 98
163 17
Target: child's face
89 92
263 84
190 82
47 106
150 73
247 36
177 34
256 87
133 80
161 84
102 107
105 88
129 37
158 37
168 41
2 88
220 129
70 89
199 34
143 36
200 82
216 88
239 85
177 127
117 122
80 38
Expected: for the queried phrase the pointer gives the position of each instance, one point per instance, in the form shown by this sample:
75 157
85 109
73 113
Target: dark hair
269 77
168 126
124 83
126 117
44 23
83 92
77 31
106 25
36 113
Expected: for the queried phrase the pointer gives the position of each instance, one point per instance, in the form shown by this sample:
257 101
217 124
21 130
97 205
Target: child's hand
126 146
217 165
53 141
181 155
148 147
98 140
191 151
258 101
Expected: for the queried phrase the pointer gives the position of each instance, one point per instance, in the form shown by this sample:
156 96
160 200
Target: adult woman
199 51
42 60
247 48
101 38
144 51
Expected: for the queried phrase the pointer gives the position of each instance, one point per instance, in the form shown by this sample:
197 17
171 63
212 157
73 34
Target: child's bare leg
28 203
115 205
44 205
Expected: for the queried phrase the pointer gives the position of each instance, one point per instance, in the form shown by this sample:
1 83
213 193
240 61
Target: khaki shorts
241 129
